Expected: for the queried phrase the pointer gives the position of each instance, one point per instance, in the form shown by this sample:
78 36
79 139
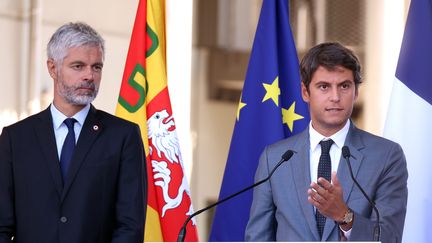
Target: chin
338 124
82 100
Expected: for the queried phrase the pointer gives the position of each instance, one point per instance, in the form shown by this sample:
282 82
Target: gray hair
73 35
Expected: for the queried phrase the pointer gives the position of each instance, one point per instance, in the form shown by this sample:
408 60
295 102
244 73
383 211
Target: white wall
10 62
213 122
385 23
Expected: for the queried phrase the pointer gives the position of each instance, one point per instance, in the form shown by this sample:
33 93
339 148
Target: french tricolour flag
409 119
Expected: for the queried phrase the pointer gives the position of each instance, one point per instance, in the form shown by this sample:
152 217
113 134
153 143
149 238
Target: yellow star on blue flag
289 116
240 106
272 91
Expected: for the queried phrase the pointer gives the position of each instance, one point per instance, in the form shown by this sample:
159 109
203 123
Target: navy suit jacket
102 200
280 209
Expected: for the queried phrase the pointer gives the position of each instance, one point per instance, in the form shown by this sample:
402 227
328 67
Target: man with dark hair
72 173
312 197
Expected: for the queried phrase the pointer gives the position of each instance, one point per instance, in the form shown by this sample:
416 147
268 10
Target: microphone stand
286 156
377 230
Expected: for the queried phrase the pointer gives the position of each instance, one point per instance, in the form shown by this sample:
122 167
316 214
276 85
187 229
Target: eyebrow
347 81
81 62
76 62
342 82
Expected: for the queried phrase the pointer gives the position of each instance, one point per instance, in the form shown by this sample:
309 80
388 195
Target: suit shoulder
373 140
373 137
290 142
24 123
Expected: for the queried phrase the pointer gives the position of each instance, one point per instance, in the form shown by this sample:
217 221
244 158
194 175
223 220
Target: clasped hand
327 198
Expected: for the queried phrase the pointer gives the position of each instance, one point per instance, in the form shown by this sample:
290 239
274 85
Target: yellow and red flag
144 99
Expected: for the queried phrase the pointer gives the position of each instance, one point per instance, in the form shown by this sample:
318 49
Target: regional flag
409 117
144 99
270 108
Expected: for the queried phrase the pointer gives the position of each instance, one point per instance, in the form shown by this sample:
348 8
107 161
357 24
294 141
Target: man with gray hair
72 173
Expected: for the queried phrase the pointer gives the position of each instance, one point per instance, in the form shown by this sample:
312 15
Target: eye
346 86
323 86
77 66
97 68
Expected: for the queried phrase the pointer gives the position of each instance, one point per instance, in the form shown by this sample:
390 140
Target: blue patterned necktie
324 170
68 147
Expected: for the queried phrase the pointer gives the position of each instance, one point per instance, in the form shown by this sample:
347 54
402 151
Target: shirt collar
338 138
59 117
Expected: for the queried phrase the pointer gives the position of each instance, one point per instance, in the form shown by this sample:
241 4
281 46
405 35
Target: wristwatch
347 218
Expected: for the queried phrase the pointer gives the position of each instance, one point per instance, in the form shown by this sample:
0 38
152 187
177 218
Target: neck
328 131
68 109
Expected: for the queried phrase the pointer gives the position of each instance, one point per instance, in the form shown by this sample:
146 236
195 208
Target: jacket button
63 219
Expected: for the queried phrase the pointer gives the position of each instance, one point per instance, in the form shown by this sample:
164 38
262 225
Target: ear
305 93
356 93
52 68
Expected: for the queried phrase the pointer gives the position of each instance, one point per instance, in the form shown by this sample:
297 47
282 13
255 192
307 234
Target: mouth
86 88
169 120
333 109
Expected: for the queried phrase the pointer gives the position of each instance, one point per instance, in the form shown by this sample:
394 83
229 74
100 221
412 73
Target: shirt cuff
347 233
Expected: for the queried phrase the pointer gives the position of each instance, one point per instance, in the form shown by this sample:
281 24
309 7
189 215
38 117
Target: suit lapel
46 138
90 131
355 144
301 172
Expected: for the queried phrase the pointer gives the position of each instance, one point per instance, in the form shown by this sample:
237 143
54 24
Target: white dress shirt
335 150
335 153
61 130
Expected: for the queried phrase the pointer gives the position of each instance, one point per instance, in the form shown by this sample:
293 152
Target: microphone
377 231
285 157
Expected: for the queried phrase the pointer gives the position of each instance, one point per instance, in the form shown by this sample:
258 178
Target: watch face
348 217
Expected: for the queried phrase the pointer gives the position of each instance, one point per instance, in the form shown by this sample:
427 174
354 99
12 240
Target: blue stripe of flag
415 60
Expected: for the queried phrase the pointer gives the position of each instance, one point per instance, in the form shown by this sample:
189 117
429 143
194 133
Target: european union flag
270 109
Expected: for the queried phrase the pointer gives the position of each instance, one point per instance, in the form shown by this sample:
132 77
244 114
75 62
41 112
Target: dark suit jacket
280 210
102 200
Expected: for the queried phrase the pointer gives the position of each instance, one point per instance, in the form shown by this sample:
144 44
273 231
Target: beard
74 96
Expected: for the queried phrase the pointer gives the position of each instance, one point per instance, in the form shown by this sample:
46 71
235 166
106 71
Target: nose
89 74
335 95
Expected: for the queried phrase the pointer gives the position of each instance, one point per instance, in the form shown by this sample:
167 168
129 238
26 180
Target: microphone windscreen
287 155
346 152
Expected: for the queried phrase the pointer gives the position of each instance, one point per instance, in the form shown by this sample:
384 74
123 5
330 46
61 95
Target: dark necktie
324 170
68 147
